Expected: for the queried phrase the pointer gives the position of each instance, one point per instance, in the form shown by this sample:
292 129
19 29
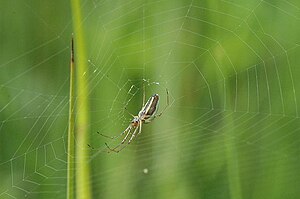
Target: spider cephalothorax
135 122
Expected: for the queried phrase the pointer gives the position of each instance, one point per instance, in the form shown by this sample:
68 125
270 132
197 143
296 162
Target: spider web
231 67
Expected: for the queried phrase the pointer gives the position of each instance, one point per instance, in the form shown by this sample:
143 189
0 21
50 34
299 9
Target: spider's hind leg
144 94
167 105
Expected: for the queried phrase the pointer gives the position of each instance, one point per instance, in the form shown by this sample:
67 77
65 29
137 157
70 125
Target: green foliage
231 131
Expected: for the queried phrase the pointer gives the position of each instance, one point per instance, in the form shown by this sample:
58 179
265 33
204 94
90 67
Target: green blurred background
232 69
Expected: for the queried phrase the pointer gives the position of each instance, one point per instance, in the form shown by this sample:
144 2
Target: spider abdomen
148 112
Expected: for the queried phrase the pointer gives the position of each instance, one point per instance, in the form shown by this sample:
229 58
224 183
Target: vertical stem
83 189
71 138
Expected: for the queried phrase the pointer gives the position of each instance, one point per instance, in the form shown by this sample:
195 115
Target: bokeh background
231 67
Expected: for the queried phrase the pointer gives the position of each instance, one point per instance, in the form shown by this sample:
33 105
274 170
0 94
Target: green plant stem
71 138
83 189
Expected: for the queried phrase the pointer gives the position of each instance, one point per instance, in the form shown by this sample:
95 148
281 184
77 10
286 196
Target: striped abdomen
149 110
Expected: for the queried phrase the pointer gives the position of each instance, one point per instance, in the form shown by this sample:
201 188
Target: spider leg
134 133
129 112
128 130
132 137
167 105
144 94
125 138
140 129
113 138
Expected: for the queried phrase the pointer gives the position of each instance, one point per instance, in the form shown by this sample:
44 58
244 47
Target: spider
146 115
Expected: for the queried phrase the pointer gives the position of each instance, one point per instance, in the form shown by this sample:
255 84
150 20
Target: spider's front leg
128 129
134 133
116 150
